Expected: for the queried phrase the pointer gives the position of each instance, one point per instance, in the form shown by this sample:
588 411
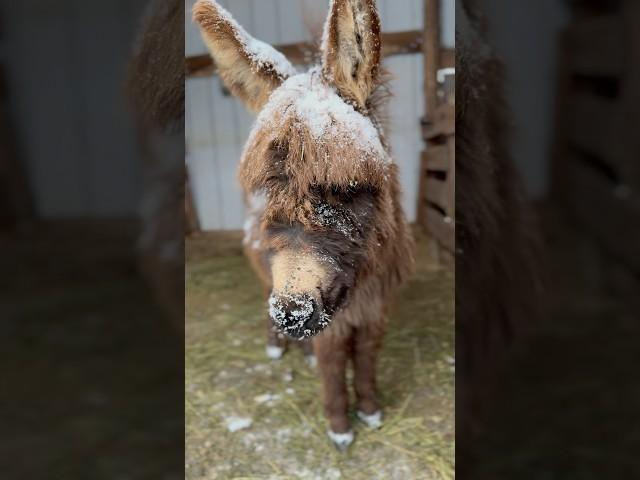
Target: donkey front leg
332 353
367 342
276 341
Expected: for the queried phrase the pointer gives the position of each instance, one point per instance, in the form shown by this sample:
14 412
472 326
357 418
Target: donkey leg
367 343
332 353
309 355
276 341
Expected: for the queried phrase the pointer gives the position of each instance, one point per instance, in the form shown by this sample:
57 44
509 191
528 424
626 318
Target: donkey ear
249 68
351 48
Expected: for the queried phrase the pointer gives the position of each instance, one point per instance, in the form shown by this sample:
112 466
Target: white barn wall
217 125
67 116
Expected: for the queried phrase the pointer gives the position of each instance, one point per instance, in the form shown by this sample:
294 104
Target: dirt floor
229 380
91 373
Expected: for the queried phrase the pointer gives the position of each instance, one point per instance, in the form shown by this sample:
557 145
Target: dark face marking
336 231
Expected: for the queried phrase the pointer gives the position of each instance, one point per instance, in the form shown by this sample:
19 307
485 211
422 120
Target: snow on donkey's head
318 158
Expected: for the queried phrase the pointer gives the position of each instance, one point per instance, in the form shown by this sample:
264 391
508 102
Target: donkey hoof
372 421
274 352
341 440
311 360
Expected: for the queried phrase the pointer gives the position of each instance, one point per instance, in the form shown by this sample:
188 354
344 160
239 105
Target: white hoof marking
372 421
274 352
341 440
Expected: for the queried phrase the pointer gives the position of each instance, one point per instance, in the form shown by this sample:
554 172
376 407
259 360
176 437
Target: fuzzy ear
249 68
351 48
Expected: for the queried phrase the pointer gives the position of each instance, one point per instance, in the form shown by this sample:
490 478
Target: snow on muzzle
295 304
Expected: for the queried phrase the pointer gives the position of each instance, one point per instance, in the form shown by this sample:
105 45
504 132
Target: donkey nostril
297 316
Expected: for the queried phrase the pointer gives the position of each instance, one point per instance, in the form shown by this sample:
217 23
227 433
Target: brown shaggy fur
156 72
296 172
497 260
351 49
248 80
156 93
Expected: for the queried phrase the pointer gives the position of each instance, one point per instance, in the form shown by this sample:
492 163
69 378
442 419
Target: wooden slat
431 35
441 123
447 58
441 230
605 210
596 46
436 191
598 126
396 43
590 123
451 177
436 158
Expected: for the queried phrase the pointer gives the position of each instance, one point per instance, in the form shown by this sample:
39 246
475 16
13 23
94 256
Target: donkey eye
275 180
349 193
279 150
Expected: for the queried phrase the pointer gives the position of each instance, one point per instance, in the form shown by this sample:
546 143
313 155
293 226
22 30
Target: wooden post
431 48
436 202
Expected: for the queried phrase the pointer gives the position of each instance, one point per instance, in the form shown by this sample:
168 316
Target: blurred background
92 372
565 402
228 376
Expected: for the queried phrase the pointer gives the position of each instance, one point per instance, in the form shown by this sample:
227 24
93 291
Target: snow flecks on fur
335 218
318 108
290 314
260 53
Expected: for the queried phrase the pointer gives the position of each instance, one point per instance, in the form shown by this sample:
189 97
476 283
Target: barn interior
228 376
92 372
566 393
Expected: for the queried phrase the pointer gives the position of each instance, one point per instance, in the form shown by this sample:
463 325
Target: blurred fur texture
156 72
156 92
498 282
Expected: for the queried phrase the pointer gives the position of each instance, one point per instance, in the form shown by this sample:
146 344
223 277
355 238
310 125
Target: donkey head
316 155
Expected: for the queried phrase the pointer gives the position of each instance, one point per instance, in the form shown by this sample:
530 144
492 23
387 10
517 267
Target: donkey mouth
298 316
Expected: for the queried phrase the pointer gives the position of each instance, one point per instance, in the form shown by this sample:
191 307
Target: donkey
326 232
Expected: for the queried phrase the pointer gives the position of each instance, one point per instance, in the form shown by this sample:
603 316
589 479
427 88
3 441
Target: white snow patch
311 360
266 398
328 117
336 218
292 321
261 54
238 423
274 352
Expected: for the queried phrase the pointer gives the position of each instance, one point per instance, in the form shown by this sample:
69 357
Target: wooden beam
605 210
396 43
436 158
596 46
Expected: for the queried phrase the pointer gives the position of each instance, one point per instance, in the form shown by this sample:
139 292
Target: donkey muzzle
298 316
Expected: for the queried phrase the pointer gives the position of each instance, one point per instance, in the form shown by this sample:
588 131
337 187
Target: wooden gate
436 208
